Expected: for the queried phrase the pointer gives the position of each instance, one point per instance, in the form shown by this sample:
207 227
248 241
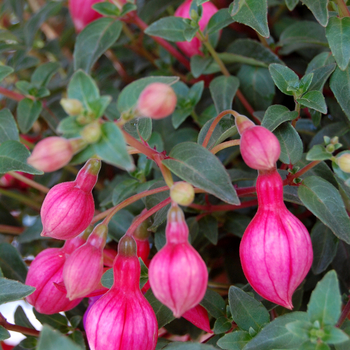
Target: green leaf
43 73
208 226
214 303
325 202
283 77
51 339
69 127
13 157
4 333
78 338
199 64
234 341
291 4
31 233
163 314
319 8
276 115
107 279
11 263
325 302
57 321
222 325
83 88
12 290
127 99
106 9
338 35
112 147
334 335
253 14
94 40
169 28
340 86
291 144
223 89
246 311
119 224
324 246
8 126
302 35
318 152
276 336
140 128
28 112
21 318
219 20
5 71
198 166
124 190
314 100
299 329
188 346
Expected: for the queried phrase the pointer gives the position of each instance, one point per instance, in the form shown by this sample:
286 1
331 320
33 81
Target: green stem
29 182
21 198
343 10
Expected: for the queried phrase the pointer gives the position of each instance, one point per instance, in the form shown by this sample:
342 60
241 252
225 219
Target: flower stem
344 314
16 328
11 94
12 230
342 9
224 145
302 171
21 198
29 182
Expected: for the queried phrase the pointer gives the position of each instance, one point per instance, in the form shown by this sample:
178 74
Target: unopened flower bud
71 106
344 162
69 207
177 274
182 193
82 13
92 132
260 148
157 101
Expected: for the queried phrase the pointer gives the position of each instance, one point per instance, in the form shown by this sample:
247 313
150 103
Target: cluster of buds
275 251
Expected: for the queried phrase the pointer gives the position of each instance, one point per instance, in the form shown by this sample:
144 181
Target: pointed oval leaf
276 115
12 290
5 71
8 126
28 112
340 85
319 8
314 100
283 77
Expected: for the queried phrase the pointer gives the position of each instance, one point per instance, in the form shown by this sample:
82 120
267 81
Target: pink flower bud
177 274
275 251
193 47
82 13
52 153
156 101
69 207
199 317
260 148
123 318
45 270
83 269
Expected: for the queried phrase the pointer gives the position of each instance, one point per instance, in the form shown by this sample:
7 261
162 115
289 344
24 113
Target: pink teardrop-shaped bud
193 47
69 207
45 270
83 269
123 318
177 274
275 251
82 13
199 317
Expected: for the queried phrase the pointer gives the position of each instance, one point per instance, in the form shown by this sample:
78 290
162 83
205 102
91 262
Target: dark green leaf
318 152
325 202
107 278
4 333
8 127
44 73
112 147
106 9
223 89
199 64
196 165
208 226
119 224
214 303
236 223
276 115
124 190
94 40
12 290
219 20
299 329
28 112
51 339
246 311
235 340
314 100
325 302
334 335
338 35
11 263
291 4
78 338
169 28
69 127
283 77
21 318
32 232
319 8
13 157
291 144
5 71
340 85
140 128
56 320
222 325
253 14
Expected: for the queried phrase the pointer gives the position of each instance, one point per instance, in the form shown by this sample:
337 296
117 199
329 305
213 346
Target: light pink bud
275 251
51 154
82 13
45 270
123 318
193 47
177 274
83 269
199 317
260 148
69 207
156 101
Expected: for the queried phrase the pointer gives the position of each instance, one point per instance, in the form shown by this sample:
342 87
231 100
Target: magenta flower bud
83 269
82 13
69 207
123 318
157 100
260 148
275 251
177 274
46 270
193 47
199 317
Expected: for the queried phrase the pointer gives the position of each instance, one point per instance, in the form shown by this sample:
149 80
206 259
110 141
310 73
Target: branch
19 329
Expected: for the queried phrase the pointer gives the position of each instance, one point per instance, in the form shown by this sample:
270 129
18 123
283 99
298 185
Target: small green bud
182 193
92 132
71 106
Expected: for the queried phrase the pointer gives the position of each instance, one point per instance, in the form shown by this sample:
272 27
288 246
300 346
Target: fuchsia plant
82 13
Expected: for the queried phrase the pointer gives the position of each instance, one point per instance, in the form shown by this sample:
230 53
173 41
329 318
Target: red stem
302 171
344 314
247 106
15 328
10 94
224 207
